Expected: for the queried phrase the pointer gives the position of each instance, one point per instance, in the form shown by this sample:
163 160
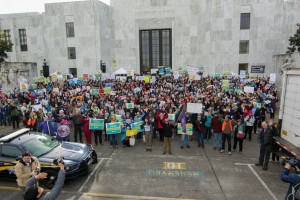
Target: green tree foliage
4 46
294 42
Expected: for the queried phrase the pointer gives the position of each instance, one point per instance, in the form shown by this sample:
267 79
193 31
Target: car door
9 154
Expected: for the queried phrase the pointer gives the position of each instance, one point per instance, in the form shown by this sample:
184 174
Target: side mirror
19 158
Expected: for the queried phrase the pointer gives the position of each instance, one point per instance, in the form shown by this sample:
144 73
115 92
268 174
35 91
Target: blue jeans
139 136
113 139
218 136
1 119
207 132
183 136
8 120
200 137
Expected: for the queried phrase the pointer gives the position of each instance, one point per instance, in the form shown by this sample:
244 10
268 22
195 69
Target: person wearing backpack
294 180
238 135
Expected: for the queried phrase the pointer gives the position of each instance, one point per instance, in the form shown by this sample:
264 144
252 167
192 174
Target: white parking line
90 175
258 177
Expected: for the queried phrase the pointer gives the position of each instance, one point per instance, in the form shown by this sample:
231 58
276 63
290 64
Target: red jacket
216 125
163 120
86 124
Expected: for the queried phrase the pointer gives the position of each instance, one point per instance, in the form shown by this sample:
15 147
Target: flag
182 120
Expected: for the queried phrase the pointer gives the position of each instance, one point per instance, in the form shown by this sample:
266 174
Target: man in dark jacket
265 139
293 179
34 192
167 128
77 125
216 125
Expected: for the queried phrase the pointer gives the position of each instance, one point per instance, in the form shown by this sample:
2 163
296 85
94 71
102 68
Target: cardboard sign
94 91
189 129
96 124
107 90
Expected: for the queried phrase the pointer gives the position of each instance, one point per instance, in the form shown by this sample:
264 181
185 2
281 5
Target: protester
238 134
249 120
293 179
85 119
167 131
227 128
148 134
265 138
216 124
200 129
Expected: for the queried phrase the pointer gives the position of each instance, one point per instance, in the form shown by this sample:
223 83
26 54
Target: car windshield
40 145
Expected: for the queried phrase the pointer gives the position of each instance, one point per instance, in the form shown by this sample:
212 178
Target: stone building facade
221 35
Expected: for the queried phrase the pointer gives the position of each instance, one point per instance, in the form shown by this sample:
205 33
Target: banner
217 75
85 77
201 69
194 107
40 91
137 126
161 71
96 124
39 79
129 105
225 84
113 128
107 90
189 129
54 77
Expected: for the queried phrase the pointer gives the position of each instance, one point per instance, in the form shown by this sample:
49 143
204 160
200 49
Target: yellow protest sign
131 132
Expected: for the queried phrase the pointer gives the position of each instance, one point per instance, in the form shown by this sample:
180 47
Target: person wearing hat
45 126
293 179
249 121
227 128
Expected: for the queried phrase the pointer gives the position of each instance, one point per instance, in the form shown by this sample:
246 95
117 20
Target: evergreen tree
4 46
294 42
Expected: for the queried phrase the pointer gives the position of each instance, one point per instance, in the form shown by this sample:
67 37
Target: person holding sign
113 137
148 134
185 136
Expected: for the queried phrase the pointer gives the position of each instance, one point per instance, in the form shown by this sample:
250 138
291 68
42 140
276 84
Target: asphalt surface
188 173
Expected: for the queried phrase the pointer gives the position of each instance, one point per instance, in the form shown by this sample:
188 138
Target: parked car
77 156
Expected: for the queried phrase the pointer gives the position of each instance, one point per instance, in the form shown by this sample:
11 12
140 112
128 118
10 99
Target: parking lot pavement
194 173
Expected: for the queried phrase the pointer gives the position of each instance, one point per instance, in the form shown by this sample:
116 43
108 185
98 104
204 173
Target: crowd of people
228 114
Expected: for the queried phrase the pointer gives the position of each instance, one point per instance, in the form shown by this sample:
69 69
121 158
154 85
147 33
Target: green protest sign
137 126
94 91
96 124
113 128
189 129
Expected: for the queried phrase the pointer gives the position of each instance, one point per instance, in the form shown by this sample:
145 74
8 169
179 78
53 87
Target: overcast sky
19 6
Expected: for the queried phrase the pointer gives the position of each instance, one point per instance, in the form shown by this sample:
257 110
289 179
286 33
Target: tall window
23 39
70 29
8 38
71 53
155 48
245 21
244 46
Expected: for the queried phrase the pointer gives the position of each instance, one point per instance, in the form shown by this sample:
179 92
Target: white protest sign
194 108
56 90
192 70
153 71
152 80
272 78
129 105
88 87
243 74
197 78
249 89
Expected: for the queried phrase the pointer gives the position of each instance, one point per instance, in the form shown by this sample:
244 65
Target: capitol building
139 35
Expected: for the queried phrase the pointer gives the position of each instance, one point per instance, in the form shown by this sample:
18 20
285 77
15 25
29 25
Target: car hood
69 150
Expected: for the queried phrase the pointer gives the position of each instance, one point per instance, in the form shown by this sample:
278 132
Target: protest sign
129 105
153 71
39 79
130 133
272 78
201 69
34 86
88 87
192 70
267 86
137 126
161 71
40 91
243 73
96 124
94 91
189 129
168 72
85 77
107 90
249 89
56 90
54 77
171 116
258 105
119 118
194 108
113 128
147 79
122 97
217 75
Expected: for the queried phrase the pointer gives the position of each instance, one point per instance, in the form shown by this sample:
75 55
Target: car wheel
94 157
49 182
